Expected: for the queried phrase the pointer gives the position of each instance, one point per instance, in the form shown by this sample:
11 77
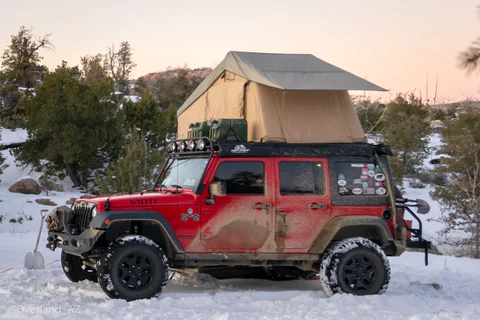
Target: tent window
246 177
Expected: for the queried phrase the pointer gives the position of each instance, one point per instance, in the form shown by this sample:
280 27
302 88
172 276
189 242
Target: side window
360 178
302 178
246 177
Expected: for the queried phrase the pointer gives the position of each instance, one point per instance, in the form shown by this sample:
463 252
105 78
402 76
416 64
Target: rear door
302 201
242 219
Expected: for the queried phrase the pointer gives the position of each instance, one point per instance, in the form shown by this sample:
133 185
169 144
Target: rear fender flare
373 228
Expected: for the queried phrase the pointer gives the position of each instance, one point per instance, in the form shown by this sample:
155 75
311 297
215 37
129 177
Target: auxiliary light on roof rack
192 145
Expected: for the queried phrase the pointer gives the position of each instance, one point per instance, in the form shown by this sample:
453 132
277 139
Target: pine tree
157 126
72 125
404 129
2 159
93 68
460 198
21 65
136 171
150 130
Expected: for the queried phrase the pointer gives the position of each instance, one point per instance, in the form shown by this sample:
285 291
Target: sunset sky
392 43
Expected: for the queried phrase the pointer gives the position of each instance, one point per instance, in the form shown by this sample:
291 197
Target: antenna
436 87
427 91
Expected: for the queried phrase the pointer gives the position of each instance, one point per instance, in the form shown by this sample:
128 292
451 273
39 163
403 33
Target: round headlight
201 144
94 211
172 147
182 146
192 145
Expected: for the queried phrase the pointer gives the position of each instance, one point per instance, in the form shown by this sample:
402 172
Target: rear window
301 178
360 179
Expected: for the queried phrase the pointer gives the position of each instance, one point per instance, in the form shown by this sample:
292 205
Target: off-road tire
132 268
75 270
357 266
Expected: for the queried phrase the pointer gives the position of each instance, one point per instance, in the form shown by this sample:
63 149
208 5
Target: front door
243 218
302 201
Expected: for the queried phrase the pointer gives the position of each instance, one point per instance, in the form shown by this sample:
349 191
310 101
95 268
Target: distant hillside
173 73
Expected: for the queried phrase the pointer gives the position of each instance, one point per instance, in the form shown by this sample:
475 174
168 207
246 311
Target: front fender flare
98 222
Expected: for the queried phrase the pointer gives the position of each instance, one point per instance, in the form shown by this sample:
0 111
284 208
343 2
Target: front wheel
133 267
357 266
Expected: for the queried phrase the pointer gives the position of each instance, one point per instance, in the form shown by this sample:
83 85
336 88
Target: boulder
46 202
26 186
71 201
49 184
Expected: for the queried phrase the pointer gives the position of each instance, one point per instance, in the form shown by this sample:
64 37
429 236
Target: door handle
261 206
317 206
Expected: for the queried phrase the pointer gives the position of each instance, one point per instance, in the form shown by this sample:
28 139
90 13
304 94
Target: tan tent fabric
283 97
224 99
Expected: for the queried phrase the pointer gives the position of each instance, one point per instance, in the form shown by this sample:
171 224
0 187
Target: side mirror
218 188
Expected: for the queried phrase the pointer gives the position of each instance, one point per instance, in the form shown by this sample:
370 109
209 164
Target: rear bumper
74 244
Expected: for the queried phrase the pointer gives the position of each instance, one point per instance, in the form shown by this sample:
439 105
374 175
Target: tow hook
51 244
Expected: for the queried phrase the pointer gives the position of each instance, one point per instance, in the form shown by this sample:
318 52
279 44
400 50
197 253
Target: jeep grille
82 216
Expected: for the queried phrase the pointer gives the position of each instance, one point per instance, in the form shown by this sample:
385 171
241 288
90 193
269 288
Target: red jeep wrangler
290 209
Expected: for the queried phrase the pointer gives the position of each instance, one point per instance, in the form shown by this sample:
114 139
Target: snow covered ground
48 294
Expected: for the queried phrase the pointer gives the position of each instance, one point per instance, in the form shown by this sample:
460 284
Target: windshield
184 173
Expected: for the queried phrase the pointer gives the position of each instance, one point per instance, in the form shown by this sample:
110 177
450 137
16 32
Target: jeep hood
135 200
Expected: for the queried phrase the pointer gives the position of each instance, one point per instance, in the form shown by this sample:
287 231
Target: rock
71 201
28 201
45 202
26 186
49 184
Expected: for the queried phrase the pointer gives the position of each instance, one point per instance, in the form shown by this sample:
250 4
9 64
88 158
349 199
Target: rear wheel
75 270
357 266
133 267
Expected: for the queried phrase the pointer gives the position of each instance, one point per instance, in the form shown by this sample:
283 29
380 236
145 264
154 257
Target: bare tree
120 64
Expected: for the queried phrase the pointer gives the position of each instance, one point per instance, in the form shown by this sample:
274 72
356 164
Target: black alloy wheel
136 271
358 273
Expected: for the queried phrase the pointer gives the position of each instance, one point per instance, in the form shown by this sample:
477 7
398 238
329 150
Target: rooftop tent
284 97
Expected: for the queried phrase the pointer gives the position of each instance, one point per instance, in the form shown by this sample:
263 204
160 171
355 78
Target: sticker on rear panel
380 177
341 177
357 181
368 190
342 183
357 165
343 191
357 191
381 191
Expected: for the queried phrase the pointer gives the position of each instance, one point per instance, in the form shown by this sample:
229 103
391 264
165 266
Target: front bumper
74 244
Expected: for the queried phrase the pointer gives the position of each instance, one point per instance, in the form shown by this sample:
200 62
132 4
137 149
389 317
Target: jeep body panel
272 224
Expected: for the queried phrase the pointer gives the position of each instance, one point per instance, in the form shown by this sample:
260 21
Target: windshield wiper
176 186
